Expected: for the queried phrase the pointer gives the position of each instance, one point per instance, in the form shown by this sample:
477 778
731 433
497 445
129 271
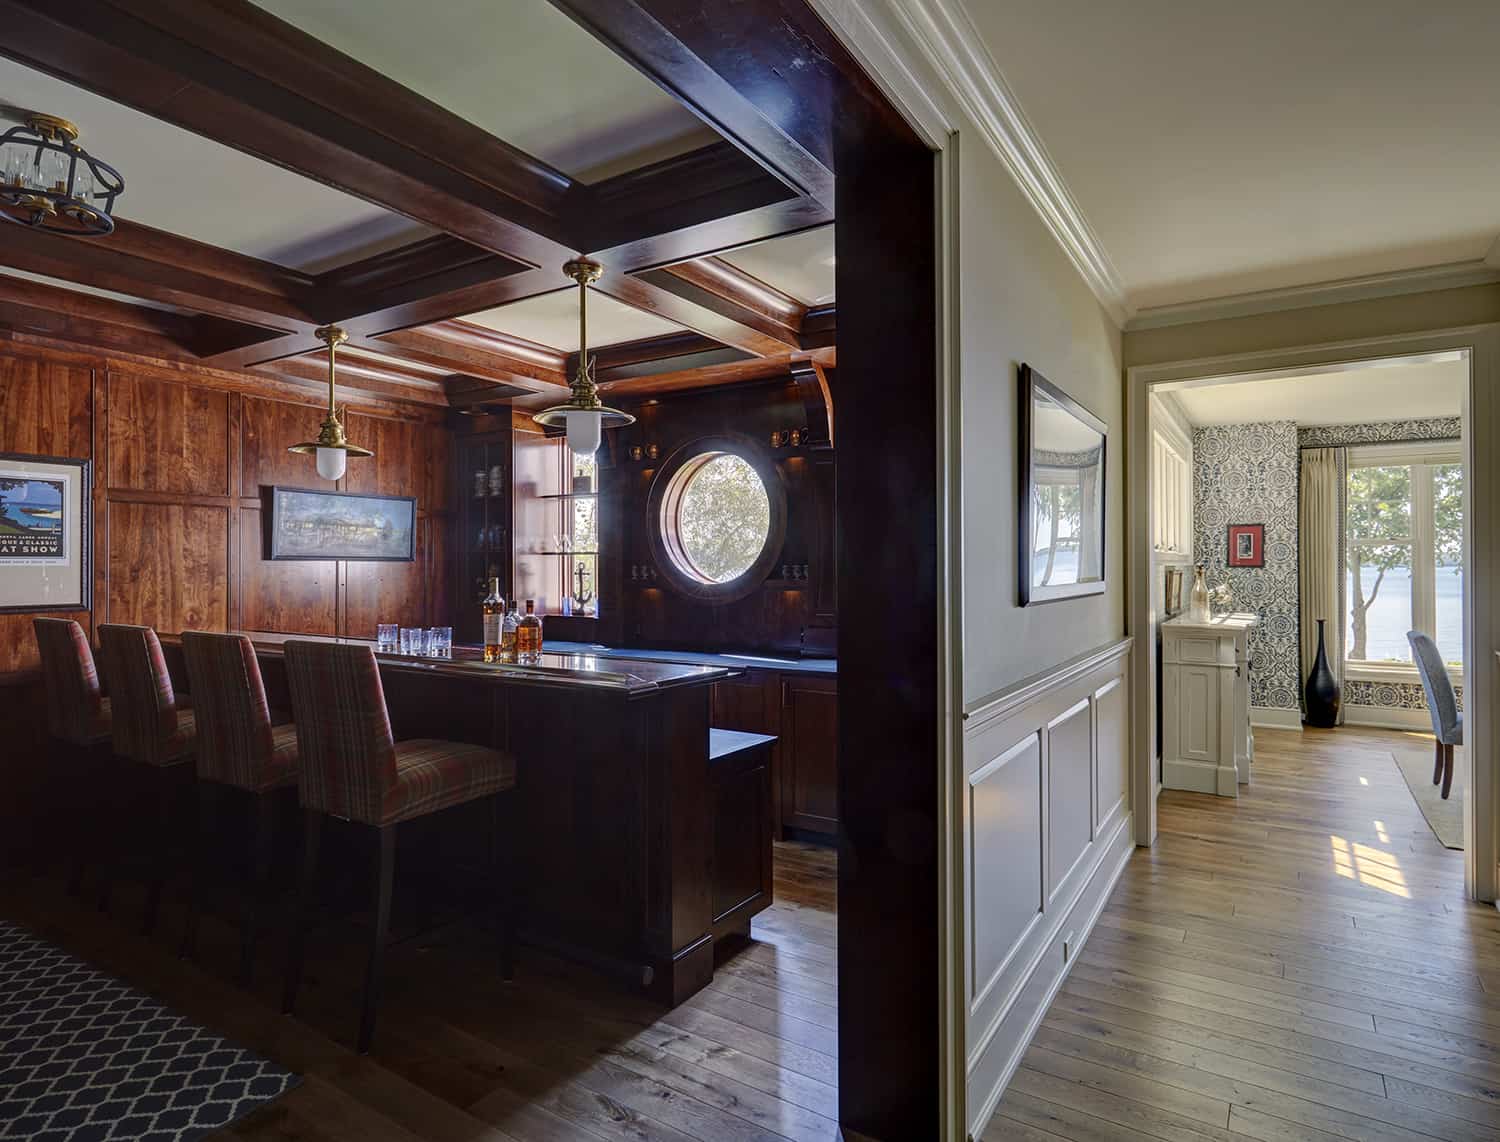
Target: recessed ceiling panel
799 265
519 69
552 320
1389 391
185 184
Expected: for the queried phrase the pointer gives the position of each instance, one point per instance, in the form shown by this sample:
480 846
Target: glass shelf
569 496
559 553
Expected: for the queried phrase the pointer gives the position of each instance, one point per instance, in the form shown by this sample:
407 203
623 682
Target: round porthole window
719 515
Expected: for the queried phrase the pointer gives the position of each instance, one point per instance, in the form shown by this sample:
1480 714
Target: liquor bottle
508 635
529 636
494 616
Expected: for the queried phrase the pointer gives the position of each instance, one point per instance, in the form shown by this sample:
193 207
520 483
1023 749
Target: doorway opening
1308 554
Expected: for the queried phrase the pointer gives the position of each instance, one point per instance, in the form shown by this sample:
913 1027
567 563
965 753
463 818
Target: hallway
1300 964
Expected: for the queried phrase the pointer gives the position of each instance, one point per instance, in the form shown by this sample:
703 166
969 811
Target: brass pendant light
585 416
331 447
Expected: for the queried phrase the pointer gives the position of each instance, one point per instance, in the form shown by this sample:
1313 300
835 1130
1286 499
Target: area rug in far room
1445 818
83 1057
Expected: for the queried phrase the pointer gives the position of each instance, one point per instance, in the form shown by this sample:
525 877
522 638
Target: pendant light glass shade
584 417
331 449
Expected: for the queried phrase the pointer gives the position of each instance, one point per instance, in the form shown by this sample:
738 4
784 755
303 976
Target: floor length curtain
1320 557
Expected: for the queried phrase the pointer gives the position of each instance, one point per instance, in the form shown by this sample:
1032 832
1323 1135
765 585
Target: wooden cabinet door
809 753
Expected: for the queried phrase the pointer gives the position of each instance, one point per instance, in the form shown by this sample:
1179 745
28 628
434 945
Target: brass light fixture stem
331 431
585 391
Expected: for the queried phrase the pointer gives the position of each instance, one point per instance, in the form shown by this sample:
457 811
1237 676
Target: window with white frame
1172 497
1404 537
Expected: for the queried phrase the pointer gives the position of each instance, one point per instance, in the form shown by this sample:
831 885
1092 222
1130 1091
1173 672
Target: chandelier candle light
49 182
585 417
331 447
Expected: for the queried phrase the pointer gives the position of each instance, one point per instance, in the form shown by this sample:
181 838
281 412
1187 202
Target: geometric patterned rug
84 1057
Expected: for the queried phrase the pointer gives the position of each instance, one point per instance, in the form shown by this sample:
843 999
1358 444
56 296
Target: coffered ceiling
187 184
419 173
519 69
1218 148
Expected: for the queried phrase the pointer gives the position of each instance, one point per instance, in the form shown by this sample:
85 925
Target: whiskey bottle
529 636
494 617
508 635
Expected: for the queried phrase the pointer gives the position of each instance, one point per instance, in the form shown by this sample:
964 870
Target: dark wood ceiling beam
717 286
168 269
675 45
419 272
363 376
712 376
462 347
229 71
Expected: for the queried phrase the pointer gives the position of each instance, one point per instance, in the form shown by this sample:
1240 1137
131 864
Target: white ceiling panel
185 184
1389 391
1222 147
519 69
799 265
552 320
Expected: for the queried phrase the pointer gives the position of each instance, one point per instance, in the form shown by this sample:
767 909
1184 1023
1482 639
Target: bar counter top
569 669
826 666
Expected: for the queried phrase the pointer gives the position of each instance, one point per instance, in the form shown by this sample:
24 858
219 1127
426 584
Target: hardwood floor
560 1055
1299 964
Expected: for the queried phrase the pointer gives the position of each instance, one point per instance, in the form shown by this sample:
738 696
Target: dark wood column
887 534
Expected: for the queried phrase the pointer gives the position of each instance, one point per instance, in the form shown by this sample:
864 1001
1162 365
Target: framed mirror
1061 542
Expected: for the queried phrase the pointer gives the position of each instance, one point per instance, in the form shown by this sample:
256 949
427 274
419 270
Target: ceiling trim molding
945 34
1452 275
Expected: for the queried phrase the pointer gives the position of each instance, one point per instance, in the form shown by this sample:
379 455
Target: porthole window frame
664 500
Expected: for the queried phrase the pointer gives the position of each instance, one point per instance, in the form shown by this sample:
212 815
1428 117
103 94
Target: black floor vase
1322 698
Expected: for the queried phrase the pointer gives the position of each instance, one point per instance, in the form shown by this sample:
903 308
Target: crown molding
1451 275
954 48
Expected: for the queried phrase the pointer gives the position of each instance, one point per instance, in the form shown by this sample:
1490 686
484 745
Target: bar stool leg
385 867
265 823
202 831
312 831
502 871
161 779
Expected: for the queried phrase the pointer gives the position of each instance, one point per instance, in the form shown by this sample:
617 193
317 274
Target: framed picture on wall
45 533
306 523
1247 545
1061 518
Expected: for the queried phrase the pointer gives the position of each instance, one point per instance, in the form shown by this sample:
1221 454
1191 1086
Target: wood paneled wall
180 459
785 617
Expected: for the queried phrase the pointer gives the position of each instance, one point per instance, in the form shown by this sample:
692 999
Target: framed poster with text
45 533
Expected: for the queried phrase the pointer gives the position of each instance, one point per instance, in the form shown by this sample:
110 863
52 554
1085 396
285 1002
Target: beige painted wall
1021 300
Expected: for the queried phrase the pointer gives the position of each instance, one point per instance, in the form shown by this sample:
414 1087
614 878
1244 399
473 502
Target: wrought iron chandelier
585 416
49 182
331 448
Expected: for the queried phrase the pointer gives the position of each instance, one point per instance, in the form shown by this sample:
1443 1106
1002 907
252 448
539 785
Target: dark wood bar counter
617 807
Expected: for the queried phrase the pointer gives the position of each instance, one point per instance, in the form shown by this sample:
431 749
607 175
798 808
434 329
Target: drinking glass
440 642
409 636
386 637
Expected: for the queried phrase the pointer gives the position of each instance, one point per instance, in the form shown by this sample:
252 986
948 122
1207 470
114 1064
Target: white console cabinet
1207 746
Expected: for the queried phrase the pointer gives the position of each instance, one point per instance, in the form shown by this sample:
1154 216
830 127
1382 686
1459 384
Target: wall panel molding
1046 831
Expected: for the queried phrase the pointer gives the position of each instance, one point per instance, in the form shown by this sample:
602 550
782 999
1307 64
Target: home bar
427 560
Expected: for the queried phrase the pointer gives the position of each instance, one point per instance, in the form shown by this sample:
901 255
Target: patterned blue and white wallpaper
1247 473
1380 432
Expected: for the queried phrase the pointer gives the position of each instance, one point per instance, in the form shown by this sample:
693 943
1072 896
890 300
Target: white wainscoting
1047 829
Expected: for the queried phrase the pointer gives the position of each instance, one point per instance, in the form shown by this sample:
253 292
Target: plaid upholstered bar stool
78 717
150 728
238 749
352 768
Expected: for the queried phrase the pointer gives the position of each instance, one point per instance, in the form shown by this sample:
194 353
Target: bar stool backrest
235 740
143 703
347 753
75 702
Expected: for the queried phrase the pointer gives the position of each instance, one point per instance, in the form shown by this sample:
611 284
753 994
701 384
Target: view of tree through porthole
723 517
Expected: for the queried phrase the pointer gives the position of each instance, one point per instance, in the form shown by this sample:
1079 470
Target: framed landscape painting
45 533
303 523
